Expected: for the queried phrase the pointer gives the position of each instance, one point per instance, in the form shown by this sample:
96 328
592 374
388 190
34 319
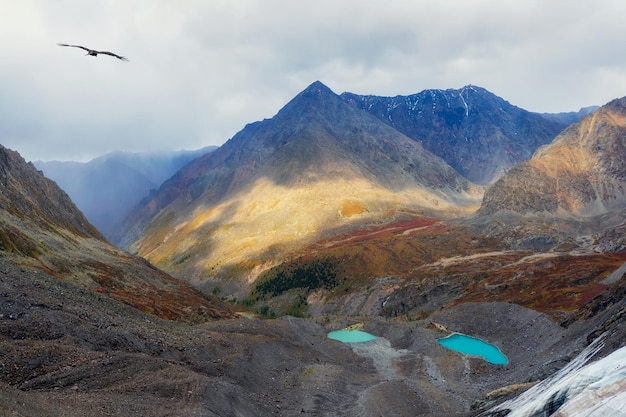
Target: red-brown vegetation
428 253
554 285
395 249
159 294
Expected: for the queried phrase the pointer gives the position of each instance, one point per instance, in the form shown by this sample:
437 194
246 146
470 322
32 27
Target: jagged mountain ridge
260 142
318 165
107 187
478 133
41 227
581 174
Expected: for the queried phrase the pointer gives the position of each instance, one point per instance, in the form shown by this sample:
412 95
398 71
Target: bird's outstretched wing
112 54
94 52
74 46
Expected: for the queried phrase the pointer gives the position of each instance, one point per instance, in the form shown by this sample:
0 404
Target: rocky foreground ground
69 351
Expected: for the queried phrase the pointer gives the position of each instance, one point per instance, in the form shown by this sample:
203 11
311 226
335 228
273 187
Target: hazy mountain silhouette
107 187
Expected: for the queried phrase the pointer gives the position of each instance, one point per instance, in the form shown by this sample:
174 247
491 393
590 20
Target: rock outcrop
581 174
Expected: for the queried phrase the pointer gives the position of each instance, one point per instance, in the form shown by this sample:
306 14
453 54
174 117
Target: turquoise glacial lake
473 346
351 336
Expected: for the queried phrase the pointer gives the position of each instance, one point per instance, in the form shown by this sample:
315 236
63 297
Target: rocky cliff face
29 197
320 165
41 227
581 174
478 133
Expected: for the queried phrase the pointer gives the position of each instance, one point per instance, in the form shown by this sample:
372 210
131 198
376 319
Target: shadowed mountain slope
41 227
478 133
318 166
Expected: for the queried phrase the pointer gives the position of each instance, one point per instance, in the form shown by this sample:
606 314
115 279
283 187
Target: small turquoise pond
472 346
351 336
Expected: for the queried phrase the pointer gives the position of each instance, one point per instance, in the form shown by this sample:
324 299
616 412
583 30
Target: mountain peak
476 88
318 87
315 91
316 160
317 98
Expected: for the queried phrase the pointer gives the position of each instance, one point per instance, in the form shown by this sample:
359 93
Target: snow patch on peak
464 104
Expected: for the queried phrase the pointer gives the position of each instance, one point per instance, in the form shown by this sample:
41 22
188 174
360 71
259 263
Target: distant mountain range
320 165
328 163
478 133
109 186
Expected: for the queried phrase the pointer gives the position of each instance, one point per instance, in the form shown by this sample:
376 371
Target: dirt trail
444 262
403 228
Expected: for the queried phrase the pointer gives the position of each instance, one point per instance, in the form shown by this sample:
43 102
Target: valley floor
67 351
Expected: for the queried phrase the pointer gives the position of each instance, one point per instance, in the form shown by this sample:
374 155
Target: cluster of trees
318 273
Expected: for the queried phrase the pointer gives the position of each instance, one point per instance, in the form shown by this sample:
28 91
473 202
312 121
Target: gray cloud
199 71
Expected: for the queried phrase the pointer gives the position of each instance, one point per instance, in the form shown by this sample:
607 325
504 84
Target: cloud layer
199 71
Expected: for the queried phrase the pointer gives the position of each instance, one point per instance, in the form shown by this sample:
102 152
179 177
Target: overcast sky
200 70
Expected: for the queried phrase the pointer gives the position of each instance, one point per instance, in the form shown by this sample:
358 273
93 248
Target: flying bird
93 52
